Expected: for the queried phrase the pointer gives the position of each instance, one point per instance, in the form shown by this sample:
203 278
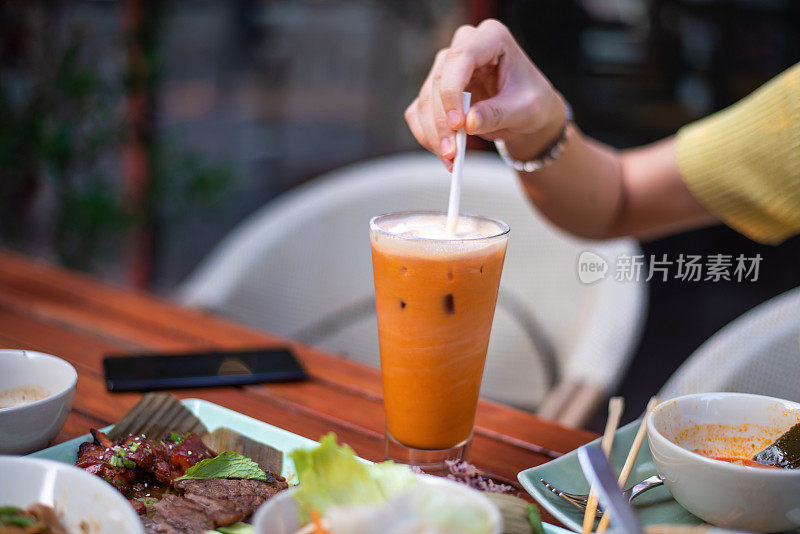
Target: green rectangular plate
653 507
213 417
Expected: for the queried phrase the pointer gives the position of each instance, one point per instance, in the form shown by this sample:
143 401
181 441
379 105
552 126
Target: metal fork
579 500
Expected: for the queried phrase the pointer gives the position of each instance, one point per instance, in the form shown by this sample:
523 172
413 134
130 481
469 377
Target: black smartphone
189 370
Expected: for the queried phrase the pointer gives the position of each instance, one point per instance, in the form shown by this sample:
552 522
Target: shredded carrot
319 528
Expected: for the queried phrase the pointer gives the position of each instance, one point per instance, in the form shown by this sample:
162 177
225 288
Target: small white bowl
280 515
84 502
29 427
722 493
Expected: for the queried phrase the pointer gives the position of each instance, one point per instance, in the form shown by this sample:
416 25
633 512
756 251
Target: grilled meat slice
234 500
172 515
218 502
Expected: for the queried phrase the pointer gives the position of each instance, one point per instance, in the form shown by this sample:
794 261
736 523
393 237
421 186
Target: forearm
656 200
595 191
582 190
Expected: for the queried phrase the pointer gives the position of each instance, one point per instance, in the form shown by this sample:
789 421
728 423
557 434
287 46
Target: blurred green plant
59 131
61 126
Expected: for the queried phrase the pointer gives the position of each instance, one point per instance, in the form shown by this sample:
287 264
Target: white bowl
280 515
84 502
721 493
30 427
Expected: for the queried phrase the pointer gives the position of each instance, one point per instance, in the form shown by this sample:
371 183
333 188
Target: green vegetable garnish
120 461
535 519
147 501
227 465
174 437
11 516
134 446
332 475
236 528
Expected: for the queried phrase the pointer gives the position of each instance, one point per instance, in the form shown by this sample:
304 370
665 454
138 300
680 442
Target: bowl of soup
36 392
703 446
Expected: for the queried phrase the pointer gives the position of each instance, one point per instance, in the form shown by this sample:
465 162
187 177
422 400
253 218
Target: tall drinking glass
435 296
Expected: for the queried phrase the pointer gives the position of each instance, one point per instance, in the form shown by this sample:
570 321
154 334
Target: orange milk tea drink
435 295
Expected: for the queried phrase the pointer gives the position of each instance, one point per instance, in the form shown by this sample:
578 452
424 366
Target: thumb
505 110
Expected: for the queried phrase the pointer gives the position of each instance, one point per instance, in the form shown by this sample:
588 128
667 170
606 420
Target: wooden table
58 312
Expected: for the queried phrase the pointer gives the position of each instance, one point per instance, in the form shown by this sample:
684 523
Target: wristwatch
548 155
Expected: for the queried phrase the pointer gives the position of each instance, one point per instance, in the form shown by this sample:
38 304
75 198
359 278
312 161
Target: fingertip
448 164
474 122
448 148
454 119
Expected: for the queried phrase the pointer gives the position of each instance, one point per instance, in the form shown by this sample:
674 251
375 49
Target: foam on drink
426 233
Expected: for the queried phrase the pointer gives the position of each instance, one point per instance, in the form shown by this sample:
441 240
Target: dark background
242 100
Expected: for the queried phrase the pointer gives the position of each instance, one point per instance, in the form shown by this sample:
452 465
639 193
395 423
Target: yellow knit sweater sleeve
743 163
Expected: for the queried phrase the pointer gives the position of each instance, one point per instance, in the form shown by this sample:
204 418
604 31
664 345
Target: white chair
756 353
301 267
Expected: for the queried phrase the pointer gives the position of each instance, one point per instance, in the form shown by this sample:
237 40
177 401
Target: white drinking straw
458 166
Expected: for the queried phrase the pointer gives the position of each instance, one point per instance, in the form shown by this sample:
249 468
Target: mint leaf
227 465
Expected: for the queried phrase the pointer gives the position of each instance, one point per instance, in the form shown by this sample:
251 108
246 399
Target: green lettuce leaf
535 519
332 475
226 465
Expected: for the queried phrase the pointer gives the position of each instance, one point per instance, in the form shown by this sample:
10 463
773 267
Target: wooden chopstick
630 460
615 407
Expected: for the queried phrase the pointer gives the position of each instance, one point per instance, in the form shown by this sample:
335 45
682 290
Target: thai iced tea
435 296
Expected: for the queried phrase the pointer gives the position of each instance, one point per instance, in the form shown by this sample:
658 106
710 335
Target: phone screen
161 371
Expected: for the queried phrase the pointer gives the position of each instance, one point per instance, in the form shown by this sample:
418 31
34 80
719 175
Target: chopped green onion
121 461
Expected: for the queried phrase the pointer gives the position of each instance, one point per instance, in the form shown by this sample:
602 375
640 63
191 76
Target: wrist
527 146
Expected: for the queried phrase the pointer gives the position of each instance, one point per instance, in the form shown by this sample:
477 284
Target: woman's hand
511 98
